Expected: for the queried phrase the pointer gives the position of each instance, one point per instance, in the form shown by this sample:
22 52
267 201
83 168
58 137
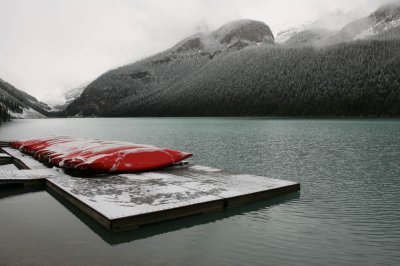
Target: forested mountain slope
238 70
19 104
148 77
361 78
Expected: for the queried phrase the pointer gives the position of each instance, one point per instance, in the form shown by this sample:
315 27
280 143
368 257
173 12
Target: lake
347 213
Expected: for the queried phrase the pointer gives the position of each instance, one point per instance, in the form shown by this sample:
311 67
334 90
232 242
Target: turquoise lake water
347 213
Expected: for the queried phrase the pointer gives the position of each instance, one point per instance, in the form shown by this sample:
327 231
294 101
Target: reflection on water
12 190
348 212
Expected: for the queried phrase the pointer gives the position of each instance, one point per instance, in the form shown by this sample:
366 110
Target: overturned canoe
99 156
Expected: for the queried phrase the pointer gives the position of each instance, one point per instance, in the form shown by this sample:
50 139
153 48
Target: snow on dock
126 201
23 161
25 177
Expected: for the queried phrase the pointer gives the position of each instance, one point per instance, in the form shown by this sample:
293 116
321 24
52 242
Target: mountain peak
233 35
244 29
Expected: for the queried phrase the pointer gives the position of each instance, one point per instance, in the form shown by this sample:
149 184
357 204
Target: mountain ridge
239 70
385 18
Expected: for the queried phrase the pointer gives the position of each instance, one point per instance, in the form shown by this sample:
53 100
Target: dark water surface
348 211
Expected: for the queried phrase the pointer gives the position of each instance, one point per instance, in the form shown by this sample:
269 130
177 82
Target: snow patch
27 113
204 168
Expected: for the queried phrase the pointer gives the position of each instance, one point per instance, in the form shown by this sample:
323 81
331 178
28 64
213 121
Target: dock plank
230 185
25 177
130 194
22 160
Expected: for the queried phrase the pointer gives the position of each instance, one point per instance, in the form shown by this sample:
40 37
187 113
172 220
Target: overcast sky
49 46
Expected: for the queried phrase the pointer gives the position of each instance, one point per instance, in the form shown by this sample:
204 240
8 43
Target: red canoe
99 156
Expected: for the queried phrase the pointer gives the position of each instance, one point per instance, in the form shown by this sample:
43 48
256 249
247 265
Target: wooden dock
127 201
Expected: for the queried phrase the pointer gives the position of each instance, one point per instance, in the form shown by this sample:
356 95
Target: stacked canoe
98 156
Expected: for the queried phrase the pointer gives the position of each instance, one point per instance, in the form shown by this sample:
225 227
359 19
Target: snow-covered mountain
20 104
344 27
383 19
287 31
329 23
74 93
59 101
